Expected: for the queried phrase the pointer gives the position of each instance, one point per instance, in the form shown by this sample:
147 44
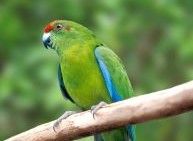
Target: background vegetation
153 38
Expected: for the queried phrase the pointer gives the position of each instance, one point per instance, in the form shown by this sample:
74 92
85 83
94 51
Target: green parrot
89 72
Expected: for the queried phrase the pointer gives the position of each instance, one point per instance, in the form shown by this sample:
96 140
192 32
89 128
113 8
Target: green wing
114 74
116 80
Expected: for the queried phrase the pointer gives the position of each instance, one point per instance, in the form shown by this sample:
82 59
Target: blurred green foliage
153 38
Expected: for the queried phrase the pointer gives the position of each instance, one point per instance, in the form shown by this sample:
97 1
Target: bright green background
153 38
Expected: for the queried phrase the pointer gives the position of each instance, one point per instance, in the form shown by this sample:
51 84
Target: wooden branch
138 109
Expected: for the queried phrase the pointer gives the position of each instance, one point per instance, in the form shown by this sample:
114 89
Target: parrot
89 73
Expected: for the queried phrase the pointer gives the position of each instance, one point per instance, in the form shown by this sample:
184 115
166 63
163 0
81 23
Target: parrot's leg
95 108
64 116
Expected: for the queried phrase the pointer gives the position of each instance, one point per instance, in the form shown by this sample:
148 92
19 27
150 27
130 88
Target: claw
64 116
95 108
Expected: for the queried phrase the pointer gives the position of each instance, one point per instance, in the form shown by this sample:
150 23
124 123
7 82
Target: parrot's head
60 33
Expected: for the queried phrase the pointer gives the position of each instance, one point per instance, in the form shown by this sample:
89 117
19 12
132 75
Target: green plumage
82 77
81 73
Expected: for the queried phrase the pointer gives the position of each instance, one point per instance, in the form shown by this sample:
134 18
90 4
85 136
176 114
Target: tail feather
121 134
131 132
98 137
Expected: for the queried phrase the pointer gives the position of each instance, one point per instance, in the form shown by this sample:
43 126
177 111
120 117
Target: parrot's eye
59 27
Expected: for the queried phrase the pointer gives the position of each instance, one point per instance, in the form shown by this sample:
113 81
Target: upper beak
46 40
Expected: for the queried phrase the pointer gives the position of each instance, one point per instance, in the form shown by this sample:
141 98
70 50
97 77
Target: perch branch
138 109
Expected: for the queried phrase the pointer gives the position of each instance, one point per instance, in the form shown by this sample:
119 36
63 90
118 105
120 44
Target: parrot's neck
77 45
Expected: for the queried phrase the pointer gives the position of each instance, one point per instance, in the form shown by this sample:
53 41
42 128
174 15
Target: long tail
121 134
131 132
98 137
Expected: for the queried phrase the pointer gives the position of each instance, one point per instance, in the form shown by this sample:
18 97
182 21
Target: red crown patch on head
48 28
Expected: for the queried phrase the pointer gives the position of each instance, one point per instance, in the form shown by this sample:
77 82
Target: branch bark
138 109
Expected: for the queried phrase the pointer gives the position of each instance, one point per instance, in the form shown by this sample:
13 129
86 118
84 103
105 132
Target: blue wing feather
112 90
107 77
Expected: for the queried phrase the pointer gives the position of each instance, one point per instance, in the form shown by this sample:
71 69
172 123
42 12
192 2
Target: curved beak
46 40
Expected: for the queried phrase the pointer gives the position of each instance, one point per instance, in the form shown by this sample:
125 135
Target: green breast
82 77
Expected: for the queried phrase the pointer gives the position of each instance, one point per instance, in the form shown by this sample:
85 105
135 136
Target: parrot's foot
64 116
95 108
